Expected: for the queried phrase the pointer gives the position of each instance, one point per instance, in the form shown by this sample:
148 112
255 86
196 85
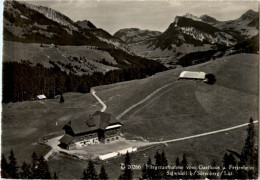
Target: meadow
182 108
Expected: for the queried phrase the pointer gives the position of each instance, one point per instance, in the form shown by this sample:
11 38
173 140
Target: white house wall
117 153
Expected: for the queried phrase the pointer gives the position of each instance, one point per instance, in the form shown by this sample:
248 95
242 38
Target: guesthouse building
100 127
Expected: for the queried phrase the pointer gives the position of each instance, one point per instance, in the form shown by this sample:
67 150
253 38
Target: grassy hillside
34 120
232 100
180 109
87 58
34 69
186 108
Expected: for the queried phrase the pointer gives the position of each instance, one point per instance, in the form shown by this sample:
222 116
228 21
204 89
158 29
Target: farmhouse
192 75
100 127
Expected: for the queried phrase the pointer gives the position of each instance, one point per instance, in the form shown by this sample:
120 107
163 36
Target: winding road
93 92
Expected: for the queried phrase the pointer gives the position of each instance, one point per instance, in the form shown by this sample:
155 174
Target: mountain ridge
189 33
48 37
186 34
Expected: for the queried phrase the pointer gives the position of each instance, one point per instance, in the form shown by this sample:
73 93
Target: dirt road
93 92
202 134
144 100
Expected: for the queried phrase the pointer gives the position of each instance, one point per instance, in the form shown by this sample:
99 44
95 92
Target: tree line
22 81
37 169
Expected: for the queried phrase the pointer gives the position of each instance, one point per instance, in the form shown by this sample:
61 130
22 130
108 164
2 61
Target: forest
23 81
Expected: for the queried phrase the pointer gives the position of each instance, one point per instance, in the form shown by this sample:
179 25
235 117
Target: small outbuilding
192 75
41 97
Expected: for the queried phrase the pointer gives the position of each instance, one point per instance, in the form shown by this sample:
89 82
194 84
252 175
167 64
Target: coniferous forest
22 81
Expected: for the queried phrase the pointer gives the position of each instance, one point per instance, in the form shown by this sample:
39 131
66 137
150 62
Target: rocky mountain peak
208 19
249 15
86 24
191 16
50 14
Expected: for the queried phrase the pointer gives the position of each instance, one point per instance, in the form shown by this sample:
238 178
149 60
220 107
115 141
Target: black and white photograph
130 89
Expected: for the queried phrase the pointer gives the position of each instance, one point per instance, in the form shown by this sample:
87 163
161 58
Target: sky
153 15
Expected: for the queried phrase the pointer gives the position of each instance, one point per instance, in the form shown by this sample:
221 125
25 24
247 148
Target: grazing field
180 108
25 123
87 58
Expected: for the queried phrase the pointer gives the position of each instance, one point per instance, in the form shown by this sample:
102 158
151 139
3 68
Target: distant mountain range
28 23
189 34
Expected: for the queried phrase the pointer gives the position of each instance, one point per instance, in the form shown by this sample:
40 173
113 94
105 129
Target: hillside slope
24 22
42 35
76 59
182 109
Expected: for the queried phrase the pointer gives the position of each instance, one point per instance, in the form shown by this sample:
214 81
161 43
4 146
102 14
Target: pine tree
150 171
225 161
225 166
249 154
25 171
34 166
177 161
184 164
158 159
177 164
144 172
147 171
62 99
13 168
90 173
84 174
232 161
55 176
228 160
43 169
164 162
128 173
158 174
103 174
4 168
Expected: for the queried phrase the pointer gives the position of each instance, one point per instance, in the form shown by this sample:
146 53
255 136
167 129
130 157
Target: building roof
66 139
113 126
192 75
41 96
88 123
